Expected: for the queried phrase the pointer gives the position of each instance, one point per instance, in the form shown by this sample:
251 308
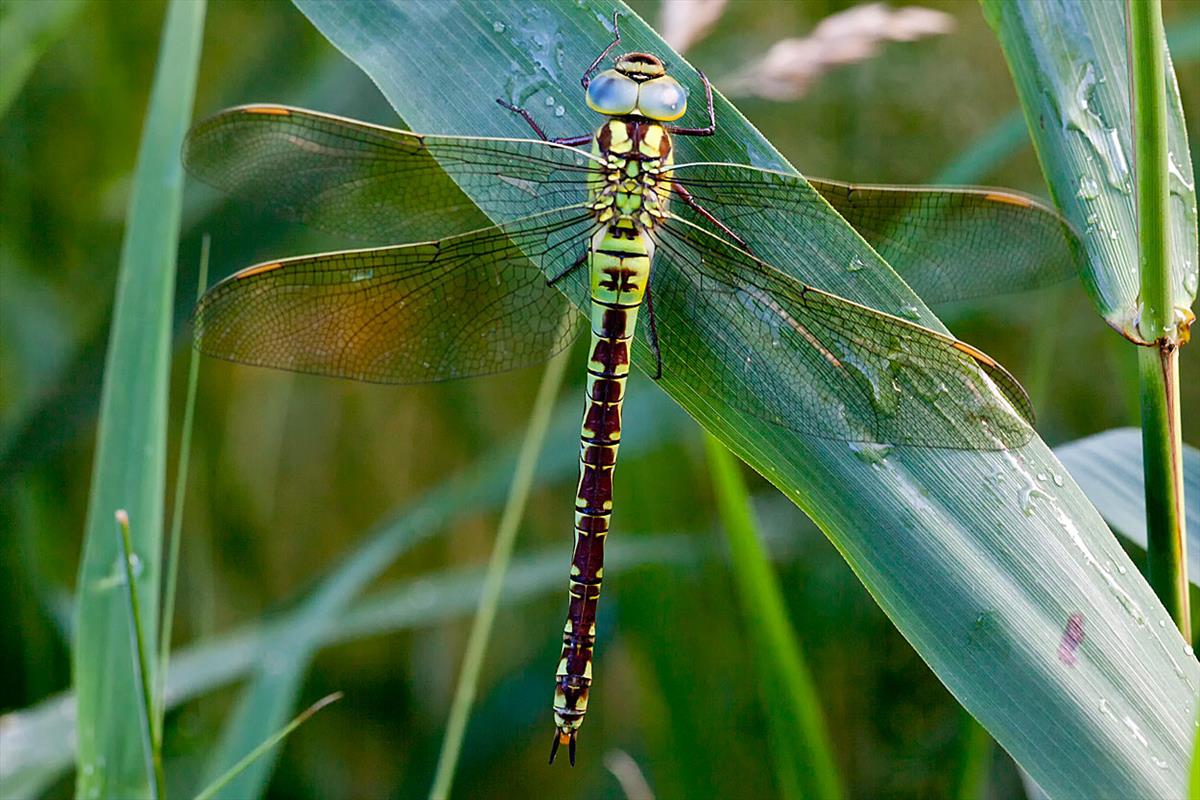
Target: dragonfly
662 258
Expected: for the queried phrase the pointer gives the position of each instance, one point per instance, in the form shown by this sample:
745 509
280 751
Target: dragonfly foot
563 737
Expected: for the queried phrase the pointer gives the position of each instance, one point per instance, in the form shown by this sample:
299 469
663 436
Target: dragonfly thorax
634 153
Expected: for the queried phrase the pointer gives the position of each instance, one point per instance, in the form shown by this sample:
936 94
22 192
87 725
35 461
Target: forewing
376 183
734 327
948 244
467 305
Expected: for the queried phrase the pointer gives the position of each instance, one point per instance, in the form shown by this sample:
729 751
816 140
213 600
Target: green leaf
129 468
1070 64
981 564
1108 466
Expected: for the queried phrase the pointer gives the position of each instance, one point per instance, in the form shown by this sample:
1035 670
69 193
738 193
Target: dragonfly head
637 85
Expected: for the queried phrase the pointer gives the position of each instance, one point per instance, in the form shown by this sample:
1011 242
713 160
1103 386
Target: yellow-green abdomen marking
628 201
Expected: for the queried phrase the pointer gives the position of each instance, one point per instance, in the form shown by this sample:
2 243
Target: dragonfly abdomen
619 265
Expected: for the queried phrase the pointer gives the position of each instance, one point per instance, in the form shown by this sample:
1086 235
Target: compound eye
662 99
612 93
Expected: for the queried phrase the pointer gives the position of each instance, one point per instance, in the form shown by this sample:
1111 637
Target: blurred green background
290 473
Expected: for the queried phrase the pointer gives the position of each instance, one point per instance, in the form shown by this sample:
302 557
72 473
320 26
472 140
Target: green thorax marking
629 185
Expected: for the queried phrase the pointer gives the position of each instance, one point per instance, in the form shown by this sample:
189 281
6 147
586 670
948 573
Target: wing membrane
948 244
376 183
817 363
467 305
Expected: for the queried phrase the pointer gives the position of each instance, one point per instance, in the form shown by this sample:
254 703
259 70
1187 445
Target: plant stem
151 742
803 762
181 470
1158 365
220 783
1162 462
493 581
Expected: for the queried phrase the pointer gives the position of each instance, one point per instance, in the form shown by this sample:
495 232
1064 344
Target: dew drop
856 265
872 453
1088 188
498 26
1028 495
559 111
550 100
910 312
1058 479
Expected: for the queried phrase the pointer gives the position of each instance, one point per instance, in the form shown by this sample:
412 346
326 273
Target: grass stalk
493 581
1158 365
803 759
181 471
220 783
974 762
151 741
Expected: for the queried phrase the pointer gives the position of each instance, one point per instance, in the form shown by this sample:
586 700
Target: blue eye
612 93
662 99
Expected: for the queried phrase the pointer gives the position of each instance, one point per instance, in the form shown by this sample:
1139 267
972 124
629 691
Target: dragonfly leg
570 141
591 70
711 127
652 330
691 201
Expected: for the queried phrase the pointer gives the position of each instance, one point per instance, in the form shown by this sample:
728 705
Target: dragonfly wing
472 304
817 363
377 183
960 243
948 244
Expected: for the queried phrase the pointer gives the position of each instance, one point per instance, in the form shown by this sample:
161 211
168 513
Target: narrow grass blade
129 467
804 764
151 742
220 783
974 760
1193 790
181 471
493 581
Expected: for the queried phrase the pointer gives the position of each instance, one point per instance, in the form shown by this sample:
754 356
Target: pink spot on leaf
1071 639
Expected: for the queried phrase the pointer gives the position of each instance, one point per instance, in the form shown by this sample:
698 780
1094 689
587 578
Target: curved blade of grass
220 783
493 581
1070 65
129 467
151 742
26 31
175 535
1108 466
978 562
804 764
